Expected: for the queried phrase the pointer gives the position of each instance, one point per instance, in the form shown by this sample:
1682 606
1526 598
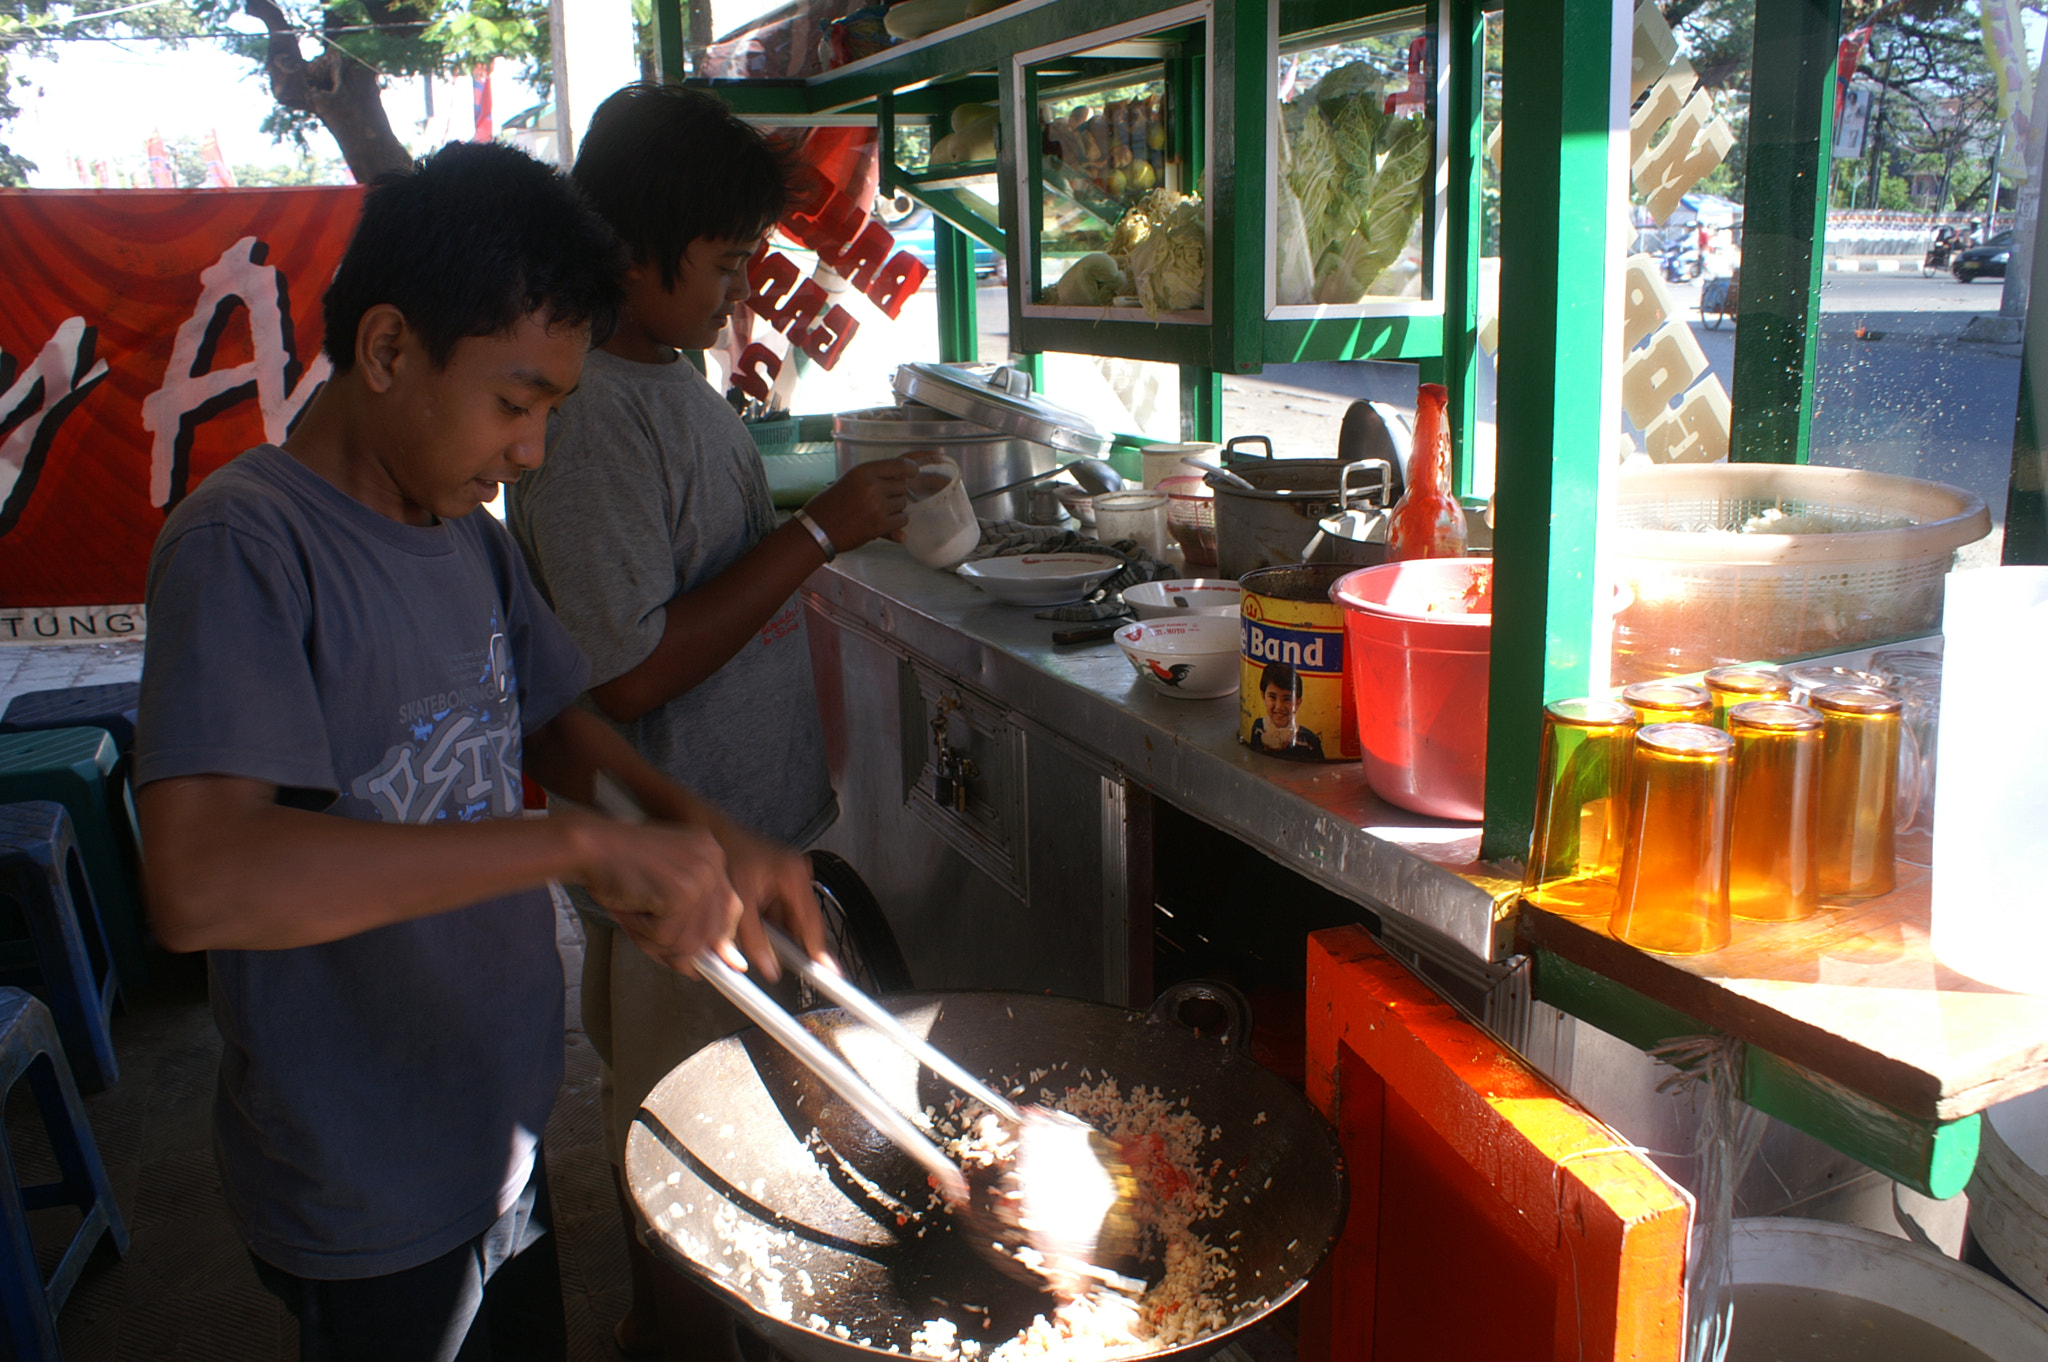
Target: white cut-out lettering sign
34 407
194 392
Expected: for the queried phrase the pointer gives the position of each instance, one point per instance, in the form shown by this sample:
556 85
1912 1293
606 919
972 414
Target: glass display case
1108 175
1356 153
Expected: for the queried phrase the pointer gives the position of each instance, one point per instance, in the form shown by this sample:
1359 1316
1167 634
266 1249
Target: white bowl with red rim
1194 657
1183 597
1041 578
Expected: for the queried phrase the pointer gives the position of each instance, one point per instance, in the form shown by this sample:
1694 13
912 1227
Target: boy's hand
774 883
667 887
867 503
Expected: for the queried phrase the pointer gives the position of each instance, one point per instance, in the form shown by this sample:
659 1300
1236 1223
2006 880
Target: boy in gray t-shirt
347 672
651 532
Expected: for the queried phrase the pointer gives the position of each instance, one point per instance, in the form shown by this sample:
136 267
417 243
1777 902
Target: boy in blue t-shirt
347 672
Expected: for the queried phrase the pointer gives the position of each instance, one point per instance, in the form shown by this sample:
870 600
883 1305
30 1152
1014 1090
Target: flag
160 173
480 97
1847 56
218 175
2005 44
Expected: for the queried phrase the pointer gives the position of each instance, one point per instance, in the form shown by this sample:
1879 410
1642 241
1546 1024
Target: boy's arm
772 881
228 868
704 629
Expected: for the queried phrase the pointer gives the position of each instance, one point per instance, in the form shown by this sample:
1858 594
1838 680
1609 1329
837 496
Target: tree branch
339 89
289 81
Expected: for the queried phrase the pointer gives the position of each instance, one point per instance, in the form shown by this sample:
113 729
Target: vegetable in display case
1355 151
1110 200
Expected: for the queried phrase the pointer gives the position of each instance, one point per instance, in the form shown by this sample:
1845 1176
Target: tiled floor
185 1289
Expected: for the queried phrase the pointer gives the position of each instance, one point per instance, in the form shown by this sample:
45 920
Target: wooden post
1490 1217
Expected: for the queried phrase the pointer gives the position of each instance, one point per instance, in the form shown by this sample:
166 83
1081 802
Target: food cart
1032 818
1107 841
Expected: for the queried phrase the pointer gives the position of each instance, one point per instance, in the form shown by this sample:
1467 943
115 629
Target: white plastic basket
1864 565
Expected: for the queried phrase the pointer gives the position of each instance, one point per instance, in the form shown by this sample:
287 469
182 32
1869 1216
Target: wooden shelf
1856 1032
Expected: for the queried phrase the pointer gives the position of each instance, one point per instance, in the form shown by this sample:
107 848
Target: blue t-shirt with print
381 1096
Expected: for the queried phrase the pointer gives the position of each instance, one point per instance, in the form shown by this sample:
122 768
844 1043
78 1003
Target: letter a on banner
193 391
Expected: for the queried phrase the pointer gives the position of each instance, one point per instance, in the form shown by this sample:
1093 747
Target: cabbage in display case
1356 154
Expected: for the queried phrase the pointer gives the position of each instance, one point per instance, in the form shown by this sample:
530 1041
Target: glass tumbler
1731 686
1669 702
1773 823
1915 677
1859 777
1672 896
1575 855
1811 677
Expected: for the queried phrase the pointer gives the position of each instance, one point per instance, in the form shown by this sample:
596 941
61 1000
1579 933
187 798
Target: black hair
473 238
667 166
1282 676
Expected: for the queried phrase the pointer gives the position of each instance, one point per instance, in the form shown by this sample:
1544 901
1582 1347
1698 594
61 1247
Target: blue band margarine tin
1293 702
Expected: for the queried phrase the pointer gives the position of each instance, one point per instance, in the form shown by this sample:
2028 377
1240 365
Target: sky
67 111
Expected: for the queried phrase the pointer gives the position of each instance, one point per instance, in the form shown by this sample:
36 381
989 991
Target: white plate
1040 578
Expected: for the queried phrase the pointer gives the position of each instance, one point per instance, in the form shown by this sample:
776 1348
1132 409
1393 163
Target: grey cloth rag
1008 538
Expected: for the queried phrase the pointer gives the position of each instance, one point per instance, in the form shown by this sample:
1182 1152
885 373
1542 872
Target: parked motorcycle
1681 260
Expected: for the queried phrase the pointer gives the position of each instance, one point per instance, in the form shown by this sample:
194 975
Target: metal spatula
1057 1211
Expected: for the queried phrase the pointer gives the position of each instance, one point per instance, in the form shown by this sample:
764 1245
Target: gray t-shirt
380 1096
652 487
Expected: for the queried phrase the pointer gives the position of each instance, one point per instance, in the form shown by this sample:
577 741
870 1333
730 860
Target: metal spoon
1095 477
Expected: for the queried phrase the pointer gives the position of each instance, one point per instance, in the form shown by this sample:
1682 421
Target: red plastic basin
1416 637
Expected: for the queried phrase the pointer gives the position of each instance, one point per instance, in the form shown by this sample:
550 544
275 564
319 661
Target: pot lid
1002 401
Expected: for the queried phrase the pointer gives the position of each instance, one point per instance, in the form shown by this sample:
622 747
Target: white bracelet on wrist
803 518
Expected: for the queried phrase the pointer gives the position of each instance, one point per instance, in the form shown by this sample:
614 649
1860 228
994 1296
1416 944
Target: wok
756 1177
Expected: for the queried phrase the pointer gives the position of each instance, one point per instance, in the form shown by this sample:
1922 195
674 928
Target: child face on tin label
1280 706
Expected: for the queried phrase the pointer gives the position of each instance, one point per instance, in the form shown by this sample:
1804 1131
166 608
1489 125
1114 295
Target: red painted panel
1491 1217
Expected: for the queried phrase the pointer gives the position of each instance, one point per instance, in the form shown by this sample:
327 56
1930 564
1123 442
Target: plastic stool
40 871
110 707
29 1048
74 767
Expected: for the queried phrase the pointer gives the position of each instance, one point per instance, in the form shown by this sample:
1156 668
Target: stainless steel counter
1320 820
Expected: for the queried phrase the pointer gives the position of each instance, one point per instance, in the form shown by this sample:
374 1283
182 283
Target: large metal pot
986 420
987 458
1268 509
754 1176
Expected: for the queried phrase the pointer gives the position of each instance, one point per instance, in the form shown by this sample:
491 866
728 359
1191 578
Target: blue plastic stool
75 767
66 951
28 1303
111 707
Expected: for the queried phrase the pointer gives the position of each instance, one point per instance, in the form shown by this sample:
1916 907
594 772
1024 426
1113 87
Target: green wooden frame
1784 216
1934 1158
1554 412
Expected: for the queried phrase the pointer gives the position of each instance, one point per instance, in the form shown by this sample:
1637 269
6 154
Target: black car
1988 259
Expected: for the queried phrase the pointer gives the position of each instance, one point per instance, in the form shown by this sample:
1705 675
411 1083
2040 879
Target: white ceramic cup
1132 515
941 529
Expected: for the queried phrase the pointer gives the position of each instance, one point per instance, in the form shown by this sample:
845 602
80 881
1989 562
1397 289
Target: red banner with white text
146 337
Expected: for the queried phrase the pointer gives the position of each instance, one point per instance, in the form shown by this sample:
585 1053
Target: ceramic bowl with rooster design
1194 657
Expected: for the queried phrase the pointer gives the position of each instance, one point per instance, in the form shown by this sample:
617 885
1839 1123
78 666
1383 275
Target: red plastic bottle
1428 522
